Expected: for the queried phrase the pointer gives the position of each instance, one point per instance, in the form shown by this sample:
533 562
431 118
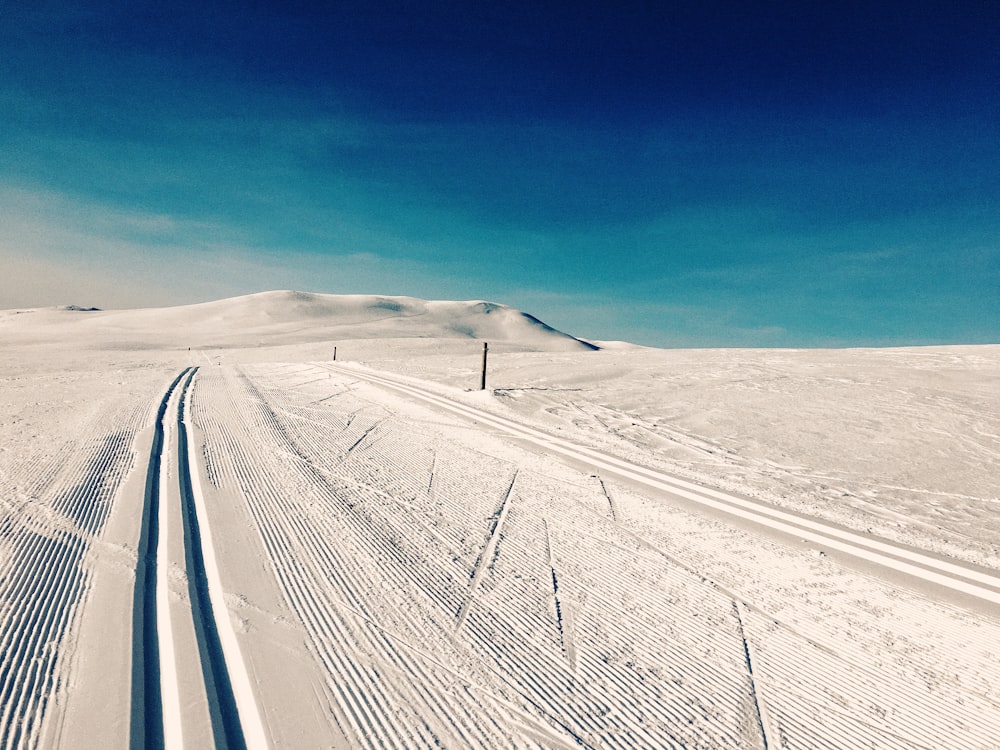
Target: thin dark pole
334 354
482 382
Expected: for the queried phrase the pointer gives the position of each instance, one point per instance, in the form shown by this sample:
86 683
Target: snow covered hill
627 548
289 317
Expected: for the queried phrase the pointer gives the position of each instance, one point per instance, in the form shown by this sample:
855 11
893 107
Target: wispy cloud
57 249
618 178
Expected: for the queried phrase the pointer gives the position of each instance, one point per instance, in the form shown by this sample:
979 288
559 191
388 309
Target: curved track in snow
964 579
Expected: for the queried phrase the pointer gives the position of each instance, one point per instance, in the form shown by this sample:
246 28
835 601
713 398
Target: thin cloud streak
719 160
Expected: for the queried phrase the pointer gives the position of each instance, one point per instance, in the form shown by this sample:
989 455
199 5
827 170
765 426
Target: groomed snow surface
246 544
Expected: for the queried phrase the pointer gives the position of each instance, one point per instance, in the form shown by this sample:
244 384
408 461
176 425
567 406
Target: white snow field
214 535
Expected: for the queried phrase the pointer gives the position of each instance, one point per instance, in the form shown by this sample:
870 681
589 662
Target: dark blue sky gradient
673 173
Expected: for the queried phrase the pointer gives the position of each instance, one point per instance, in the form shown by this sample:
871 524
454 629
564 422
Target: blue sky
676 174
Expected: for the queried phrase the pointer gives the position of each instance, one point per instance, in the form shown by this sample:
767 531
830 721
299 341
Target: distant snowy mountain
289 317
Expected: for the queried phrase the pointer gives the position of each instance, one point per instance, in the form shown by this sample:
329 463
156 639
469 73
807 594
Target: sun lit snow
212 532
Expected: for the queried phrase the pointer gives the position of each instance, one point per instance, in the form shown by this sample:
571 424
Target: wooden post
482 382
334 354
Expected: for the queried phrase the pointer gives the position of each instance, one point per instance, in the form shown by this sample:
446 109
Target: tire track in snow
157 718
978 583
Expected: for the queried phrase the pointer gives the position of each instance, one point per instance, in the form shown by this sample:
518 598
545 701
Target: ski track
45 546
378 542
154 719
456 595
231 693
158 699
979 583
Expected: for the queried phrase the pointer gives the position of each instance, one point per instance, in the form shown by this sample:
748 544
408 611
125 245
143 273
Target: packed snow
215 534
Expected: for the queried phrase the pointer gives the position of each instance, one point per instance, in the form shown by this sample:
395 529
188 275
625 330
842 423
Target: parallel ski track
146 725
234 716
236 719
929 713
226 728
44 578
980 583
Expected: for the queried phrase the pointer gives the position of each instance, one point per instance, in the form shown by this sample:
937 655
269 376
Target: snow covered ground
245 544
